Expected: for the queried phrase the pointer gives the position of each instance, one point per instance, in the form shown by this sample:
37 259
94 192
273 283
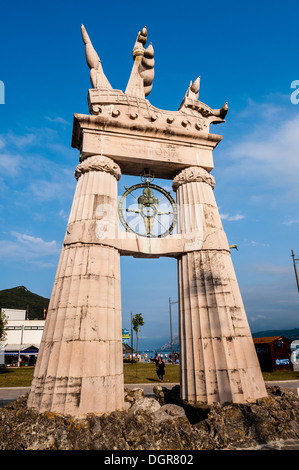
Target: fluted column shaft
79 368
217 356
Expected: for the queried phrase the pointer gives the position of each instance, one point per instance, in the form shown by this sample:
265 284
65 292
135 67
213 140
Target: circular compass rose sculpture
147 210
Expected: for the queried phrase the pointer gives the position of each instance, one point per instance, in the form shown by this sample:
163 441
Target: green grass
133 373
144 372
16 376
283 375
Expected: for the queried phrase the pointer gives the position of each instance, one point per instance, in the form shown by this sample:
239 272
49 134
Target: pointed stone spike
195 85
97 76
223 110
85 36
92 57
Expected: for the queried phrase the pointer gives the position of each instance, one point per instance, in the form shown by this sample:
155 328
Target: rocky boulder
160 423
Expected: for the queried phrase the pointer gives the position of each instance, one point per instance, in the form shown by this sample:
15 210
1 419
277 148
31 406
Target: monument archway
79 368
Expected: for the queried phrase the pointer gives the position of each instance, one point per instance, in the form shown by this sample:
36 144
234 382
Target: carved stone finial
190 102
192 117
146 69
142 75
140 42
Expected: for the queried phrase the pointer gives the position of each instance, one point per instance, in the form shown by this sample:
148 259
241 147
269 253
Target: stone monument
79 368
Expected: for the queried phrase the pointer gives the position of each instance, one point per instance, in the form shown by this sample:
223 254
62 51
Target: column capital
98 163
193 174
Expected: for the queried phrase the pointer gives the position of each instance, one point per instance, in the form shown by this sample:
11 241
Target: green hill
21 298
291 334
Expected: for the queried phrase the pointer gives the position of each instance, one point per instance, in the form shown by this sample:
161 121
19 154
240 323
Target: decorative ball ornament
147 210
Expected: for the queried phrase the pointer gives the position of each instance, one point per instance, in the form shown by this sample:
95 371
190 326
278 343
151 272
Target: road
9 394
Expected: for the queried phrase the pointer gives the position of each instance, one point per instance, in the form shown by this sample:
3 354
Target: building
274 353
23 338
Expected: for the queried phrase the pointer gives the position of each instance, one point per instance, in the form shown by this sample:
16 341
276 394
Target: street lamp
171 303
295 268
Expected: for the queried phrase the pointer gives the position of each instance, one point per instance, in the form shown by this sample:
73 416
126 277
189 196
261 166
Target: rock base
160 423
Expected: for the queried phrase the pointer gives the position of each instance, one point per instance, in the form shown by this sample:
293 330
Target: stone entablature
139 145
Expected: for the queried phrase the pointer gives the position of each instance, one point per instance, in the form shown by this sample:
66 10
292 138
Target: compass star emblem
147 210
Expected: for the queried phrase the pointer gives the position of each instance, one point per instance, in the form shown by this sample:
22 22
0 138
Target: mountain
21 298
291 334
175 342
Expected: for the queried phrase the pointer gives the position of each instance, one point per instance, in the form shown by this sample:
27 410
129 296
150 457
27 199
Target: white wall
24 332
14 314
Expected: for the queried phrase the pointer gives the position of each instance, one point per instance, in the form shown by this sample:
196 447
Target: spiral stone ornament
98 163
193 174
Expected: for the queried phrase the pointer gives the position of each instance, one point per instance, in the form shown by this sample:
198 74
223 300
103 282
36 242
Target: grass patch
133 373
139 373
283 375
16 376
144 372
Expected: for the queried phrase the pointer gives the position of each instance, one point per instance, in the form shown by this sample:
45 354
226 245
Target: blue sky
246 54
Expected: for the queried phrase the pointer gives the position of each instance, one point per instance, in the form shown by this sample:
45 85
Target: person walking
160 368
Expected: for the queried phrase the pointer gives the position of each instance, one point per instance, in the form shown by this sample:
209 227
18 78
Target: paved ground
8 395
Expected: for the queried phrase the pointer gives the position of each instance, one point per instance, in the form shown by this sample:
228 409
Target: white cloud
292 221
28 248
10 164
273 304
36 242
63 215
276 147
255 318
59 187
232 218
270 268
266 152
255 243
58 119
21 141
270 110
36 176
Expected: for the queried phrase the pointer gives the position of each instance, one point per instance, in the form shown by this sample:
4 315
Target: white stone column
80 367
218 360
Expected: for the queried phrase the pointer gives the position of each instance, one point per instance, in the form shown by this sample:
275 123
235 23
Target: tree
3 322
137 322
